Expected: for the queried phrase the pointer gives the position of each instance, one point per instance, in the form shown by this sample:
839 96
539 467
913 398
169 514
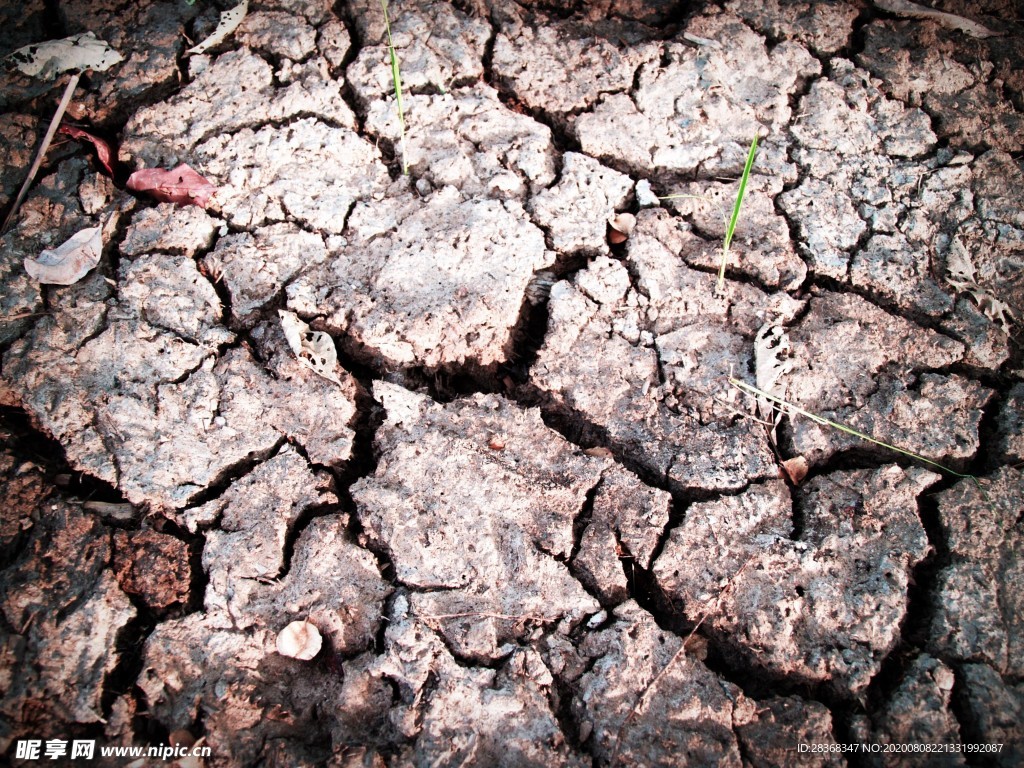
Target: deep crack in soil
529 517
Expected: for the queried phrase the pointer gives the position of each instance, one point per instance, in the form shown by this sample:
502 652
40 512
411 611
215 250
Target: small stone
645 197
299 640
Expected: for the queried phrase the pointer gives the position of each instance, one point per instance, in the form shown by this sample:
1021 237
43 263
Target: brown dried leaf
620 227
103 151
796 469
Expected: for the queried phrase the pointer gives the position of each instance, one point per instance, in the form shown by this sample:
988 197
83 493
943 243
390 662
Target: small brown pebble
620 227
181 738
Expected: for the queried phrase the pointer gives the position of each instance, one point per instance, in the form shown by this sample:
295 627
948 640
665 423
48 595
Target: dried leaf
999 312
181 185
702 41
103 151
314 349
771 363
70 262
960 271
229 21
962 275
915 11
111 510
79 52
796 469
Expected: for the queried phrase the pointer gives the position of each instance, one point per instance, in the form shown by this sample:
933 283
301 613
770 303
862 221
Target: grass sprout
734 219
730 224
396 79
789 409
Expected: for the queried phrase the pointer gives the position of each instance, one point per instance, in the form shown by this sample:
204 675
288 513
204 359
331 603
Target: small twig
61 109
486 615
681 651
21 316
28 622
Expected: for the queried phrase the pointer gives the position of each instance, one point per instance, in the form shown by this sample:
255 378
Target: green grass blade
729 230
790 408
396 79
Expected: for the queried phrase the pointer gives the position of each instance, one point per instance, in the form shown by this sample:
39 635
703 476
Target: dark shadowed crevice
229 475
30 443
560 697
531 328
961 708
363 464
528 334
487 61
920 319
643 587
677 514
989 436
799 512
579 430
121 681
131 642
53 20
914 629
761 683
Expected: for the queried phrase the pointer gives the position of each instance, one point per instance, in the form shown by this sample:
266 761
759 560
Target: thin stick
61 109
680 652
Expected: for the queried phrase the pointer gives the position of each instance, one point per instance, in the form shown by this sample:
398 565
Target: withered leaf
103 151
961 274
181 185
771 364
229 21
79 52
796 469
68 263
314 349
915 11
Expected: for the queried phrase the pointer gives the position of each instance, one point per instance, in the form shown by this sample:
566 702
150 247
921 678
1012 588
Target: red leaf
181 185
103 151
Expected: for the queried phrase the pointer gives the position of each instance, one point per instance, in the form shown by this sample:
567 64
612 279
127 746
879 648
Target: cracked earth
529 517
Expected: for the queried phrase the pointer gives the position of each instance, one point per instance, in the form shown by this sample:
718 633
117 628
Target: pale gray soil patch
509 483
